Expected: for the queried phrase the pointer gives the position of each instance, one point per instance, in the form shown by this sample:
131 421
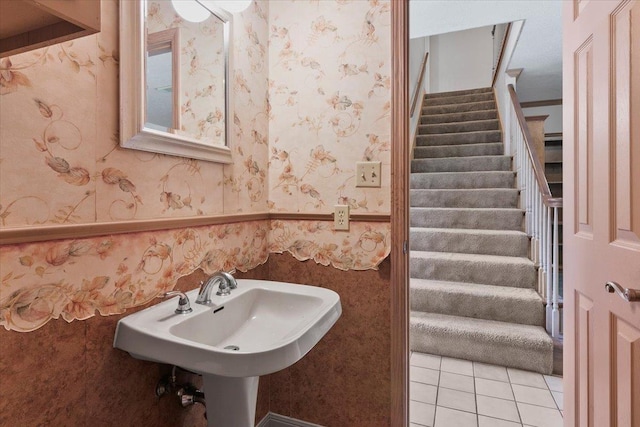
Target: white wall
417 48
553 123
461 60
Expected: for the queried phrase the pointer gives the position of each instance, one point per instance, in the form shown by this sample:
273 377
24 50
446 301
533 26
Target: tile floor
449 392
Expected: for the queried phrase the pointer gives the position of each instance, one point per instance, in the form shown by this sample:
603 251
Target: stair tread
464 122
449 134
474 209
458 92
483 327
459 98
464 190
469 173
458 117
480 258
463 158
469 104
471 231
477 289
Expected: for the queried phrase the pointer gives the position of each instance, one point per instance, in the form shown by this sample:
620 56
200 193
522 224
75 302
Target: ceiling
539 49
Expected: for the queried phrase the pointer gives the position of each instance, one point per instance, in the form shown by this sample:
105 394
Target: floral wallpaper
60 162
310 97
363 247
329 87
201 75
74 279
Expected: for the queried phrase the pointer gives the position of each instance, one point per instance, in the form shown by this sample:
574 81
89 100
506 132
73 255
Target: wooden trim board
400 147
11 236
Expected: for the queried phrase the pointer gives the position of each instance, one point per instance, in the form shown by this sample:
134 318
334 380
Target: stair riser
458 127
458 93
464 198
459 108
469 180
459 99
467 150
478 306
462 164
501 352
458 117
487 244
488 273
460 138
485 220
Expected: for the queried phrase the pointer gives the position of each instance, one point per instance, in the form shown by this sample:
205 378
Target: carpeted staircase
472 284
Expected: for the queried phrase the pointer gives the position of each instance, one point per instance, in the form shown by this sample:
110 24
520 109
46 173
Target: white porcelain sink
273 324
262 327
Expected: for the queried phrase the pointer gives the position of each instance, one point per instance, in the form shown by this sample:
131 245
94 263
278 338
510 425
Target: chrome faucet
225 282
183 303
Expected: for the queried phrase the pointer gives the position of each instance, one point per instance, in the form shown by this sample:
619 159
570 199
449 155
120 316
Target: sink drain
232 347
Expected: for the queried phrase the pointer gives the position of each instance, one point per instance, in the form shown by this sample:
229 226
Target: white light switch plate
368 174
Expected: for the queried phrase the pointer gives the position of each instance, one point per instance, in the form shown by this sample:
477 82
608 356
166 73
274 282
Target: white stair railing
542 213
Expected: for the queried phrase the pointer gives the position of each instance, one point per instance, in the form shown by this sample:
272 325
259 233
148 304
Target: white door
602 212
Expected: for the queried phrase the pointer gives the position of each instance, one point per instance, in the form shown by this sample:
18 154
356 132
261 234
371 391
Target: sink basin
262 327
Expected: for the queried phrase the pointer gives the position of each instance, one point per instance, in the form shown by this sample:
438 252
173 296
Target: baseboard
275 420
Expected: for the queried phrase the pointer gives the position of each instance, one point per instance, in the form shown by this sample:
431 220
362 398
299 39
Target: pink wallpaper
76 279
310 97
329 87
60 158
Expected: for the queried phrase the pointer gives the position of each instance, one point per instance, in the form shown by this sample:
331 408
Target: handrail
502 48
414 98
538 170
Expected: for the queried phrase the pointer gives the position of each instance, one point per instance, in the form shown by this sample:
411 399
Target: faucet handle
184 306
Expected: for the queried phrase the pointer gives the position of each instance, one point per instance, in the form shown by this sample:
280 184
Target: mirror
174 94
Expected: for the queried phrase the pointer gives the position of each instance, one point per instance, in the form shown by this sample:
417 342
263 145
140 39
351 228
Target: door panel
584 144
601 45
625 100
625 390
584 365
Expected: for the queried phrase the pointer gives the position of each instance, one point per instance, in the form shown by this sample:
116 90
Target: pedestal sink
261 328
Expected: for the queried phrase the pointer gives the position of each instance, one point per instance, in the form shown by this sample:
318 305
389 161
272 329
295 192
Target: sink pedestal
230 401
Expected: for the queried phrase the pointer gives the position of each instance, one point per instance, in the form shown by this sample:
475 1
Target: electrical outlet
341 217
368 174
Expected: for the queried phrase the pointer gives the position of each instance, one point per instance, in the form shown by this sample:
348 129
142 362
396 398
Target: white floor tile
457 366
490 372
537 416
424 393
494 422
494 388
455 399
456 382
533 396
446 417
498 408
554 383
531 379
472 394
425 360
421 413
424 375
559 398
